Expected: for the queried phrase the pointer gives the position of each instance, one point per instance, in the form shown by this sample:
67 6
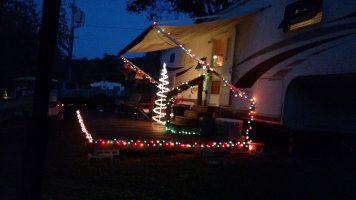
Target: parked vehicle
21 100
25 86
55 108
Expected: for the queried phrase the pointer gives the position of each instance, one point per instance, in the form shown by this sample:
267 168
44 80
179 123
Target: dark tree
107 68
149 63
62 46
194 8
63 35
19 25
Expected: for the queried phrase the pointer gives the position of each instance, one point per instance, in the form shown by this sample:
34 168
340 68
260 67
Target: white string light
160 109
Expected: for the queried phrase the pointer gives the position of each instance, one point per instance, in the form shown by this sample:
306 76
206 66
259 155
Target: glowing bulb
160 109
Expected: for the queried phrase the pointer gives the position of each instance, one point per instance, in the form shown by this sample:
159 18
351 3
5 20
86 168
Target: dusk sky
117 28
108 27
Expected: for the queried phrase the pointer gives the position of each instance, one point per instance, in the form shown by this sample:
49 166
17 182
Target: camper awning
150 40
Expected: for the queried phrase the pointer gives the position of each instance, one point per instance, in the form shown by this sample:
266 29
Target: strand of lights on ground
173 130
152 144
206 66
88 135
167 144
136 69
160 108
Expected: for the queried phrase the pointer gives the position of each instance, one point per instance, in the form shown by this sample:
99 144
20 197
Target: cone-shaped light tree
160 102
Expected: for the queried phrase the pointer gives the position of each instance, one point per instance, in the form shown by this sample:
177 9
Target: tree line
20 24
19 39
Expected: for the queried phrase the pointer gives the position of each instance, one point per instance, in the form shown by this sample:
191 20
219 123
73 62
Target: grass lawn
69 175
185 176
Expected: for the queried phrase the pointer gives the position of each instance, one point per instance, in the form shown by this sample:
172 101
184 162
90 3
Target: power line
113 27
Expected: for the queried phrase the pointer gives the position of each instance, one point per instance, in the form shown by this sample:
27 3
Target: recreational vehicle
295 57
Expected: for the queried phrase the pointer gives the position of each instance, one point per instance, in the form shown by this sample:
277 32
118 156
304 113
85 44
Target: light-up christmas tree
160 102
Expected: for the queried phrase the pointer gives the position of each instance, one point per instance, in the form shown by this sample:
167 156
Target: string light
88 135
160 109
171 129
186 85
129 65
155 144
236 92
166 144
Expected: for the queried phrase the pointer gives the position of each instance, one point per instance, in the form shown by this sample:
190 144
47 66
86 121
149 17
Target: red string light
142 144
166 144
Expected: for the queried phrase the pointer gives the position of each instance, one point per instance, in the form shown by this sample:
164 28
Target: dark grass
186 176
12 132
69 175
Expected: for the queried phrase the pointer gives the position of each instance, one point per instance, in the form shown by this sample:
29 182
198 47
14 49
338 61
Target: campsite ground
69 175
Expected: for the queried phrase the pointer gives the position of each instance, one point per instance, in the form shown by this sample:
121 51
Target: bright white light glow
160 108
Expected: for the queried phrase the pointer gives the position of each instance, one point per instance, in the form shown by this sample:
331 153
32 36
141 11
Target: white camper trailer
296 57
302 77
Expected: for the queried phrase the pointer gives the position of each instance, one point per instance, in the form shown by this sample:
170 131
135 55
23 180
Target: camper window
218 53
301 14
